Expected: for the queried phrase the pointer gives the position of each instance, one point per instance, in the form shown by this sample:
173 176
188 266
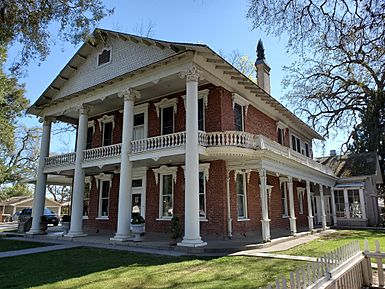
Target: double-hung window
167 119
166 196
202 195
240 185
107 133
90 135
281 134
340 203
301 193
201 114
86 199
285 211
295 143
139 126
238 117
354 203
104 198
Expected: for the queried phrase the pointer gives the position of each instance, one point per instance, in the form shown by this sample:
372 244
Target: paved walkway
268 252
37 250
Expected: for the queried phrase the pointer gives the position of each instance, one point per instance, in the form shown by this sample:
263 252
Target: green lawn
332 241
11 245
98 268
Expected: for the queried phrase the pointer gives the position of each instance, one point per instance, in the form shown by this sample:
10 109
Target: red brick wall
257 122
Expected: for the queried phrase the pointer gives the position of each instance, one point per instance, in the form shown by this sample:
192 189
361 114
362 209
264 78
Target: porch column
76 229
346 201
125 183
333 207
192 236
292 218
323 214
41 179
264 205
362 203
310 216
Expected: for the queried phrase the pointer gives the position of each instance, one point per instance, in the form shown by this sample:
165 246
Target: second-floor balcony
238 139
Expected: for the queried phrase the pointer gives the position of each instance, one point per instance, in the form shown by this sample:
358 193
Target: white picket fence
344 268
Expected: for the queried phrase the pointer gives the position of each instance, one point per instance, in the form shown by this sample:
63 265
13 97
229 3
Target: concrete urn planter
137 230
65 227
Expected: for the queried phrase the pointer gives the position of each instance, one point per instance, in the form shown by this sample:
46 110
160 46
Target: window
104 199
281 134
202 195
340 203
104 57
201 114
307 151
295 143
107 133
86 199
241 196
139 126
354 204
90 135
166 196
238 117
284 200
137 183
167 119
301 193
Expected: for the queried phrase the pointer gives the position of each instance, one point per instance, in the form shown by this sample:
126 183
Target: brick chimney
263 70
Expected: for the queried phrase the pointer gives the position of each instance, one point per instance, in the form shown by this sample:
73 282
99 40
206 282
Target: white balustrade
103 152
60 160
159 142
230 138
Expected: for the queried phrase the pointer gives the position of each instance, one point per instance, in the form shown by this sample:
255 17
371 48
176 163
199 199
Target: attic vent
104 57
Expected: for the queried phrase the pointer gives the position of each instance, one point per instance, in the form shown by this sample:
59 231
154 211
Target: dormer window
104 57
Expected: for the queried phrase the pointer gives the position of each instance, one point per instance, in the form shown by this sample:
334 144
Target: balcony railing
103 152
60 160
206 139
159 142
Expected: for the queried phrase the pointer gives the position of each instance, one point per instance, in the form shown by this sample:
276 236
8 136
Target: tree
31 26
339 80
242 63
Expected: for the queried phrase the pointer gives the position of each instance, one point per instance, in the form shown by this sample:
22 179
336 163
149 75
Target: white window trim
91 123
301 195
161 120
102 121
87 180
285 213
138 109
291 142
100 178
281 125
237 99
159 173
161 217
165 102
97 57
202 94
245 177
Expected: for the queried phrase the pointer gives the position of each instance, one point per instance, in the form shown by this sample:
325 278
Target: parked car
52 218
15 216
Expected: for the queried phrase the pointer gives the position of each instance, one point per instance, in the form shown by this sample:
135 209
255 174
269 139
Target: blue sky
221 24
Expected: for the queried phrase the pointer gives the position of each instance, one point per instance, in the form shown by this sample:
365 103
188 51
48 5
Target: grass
100 268
332 241
12 245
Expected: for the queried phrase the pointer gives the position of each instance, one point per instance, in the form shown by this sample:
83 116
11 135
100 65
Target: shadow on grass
12 245
100 268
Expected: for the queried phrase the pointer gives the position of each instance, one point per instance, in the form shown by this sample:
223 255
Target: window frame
338 194
100 216
161 196
87 182
161 119
301 196
284 199
100 53
158 174
244 195
242 117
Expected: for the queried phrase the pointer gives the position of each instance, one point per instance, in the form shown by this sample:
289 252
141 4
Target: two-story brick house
172 129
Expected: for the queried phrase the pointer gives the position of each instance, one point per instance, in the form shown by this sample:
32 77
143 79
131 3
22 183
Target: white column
229 219
264 206
125 183
192 236
346 201
362 203
333 206
76 229
310 216
292 218
41 180
323 214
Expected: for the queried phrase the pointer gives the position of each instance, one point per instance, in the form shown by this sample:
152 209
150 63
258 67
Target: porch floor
159 243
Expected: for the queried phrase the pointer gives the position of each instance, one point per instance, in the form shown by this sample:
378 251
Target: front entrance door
137 197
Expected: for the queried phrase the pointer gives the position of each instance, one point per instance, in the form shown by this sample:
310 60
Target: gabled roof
14 201
352 165
100 35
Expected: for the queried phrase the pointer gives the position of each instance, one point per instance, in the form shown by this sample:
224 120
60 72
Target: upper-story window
295 143
201 114
107 124
90 136
240 106
104 57
281 135
167 120
238 117
139 126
